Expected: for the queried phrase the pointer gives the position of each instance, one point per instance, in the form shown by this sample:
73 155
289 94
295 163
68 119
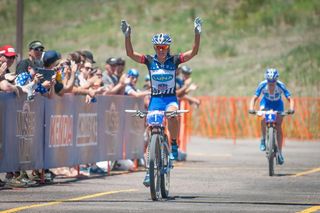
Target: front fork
275 148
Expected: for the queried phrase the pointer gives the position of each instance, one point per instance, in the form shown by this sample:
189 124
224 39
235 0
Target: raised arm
126 30
194 51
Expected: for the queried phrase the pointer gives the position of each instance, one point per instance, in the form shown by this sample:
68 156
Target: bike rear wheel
155 167
166 167
271 150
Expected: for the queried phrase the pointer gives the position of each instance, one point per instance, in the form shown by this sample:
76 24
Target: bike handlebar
262 112
142 114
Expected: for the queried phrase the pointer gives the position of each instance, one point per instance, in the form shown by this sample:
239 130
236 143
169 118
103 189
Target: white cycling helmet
271 74
161 39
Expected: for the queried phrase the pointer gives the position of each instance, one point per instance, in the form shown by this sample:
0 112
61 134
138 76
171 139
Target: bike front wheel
155 167
166 167
271 150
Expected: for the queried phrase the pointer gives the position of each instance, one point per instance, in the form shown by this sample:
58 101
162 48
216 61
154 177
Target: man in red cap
7 57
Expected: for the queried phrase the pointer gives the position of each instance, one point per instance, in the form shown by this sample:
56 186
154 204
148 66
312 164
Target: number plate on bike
155 118
270 117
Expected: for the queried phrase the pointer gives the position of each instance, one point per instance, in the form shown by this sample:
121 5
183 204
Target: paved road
218 176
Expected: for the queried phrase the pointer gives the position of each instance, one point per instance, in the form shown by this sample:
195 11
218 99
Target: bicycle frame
158 161
272 149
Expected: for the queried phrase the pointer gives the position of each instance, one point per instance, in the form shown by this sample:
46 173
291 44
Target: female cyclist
162 70
272 89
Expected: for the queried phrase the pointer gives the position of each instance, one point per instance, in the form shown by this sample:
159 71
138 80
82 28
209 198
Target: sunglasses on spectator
88 68
10 57
162 47
38 49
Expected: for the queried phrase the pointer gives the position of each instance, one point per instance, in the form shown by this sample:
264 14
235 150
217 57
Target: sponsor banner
111 126
86 131
65 131
22 133
133 130
59 132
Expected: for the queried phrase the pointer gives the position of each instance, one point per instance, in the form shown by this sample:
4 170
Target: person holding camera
41 80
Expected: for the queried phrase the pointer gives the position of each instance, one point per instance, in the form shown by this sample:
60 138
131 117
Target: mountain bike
272 149
159 162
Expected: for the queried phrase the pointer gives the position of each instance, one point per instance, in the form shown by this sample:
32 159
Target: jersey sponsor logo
162 86
162 77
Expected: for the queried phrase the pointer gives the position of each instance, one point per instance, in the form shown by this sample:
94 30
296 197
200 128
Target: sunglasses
38 49
162 47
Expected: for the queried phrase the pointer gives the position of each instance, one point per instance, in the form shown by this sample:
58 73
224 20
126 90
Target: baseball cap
7 50
88 55
121 61
111 61
50 57
35 44
186 69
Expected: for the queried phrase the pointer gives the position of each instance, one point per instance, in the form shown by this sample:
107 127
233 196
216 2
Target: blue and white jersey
280 88
163 76
25 78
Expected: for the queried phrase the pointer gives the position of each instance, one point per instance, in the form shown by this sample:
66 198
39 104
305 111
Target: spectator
34 57
89 56
35 80
130 88
7 57
188 86
46 88
95 78
65 71
112 84
108 77
121 63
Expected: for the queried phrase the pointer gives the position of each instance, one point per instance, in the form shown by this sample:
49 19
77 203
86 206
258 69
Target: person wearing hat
108 77
32 78
187 86
34 57
89 56
130 88
7 57
65 72
112 84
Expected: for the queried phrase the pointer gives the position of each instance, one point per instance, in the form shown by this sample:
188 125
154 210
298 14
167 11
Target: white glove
125 28
197 25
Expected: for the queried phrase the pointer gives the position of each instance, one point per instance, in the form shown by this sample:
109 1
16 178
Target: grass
240 38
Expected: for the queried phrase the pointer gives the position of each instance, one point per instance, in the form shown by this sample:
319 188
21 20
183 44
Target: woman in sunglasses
162 68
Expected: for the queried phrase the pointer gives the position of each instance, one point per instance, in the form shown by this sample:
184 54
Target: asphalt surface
218 176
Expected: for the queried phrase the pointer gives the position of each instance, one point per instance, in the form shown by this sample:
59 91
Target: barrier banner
79 133
111 126
134 129
59 138
66 131
22 127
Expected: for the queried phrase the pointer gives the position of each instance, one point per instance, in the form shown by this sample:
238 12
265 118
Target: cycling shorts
271 105
162 103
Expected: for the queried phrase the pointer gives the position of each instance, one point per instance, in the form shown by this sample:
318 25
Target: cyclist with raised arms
272 89
162 70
